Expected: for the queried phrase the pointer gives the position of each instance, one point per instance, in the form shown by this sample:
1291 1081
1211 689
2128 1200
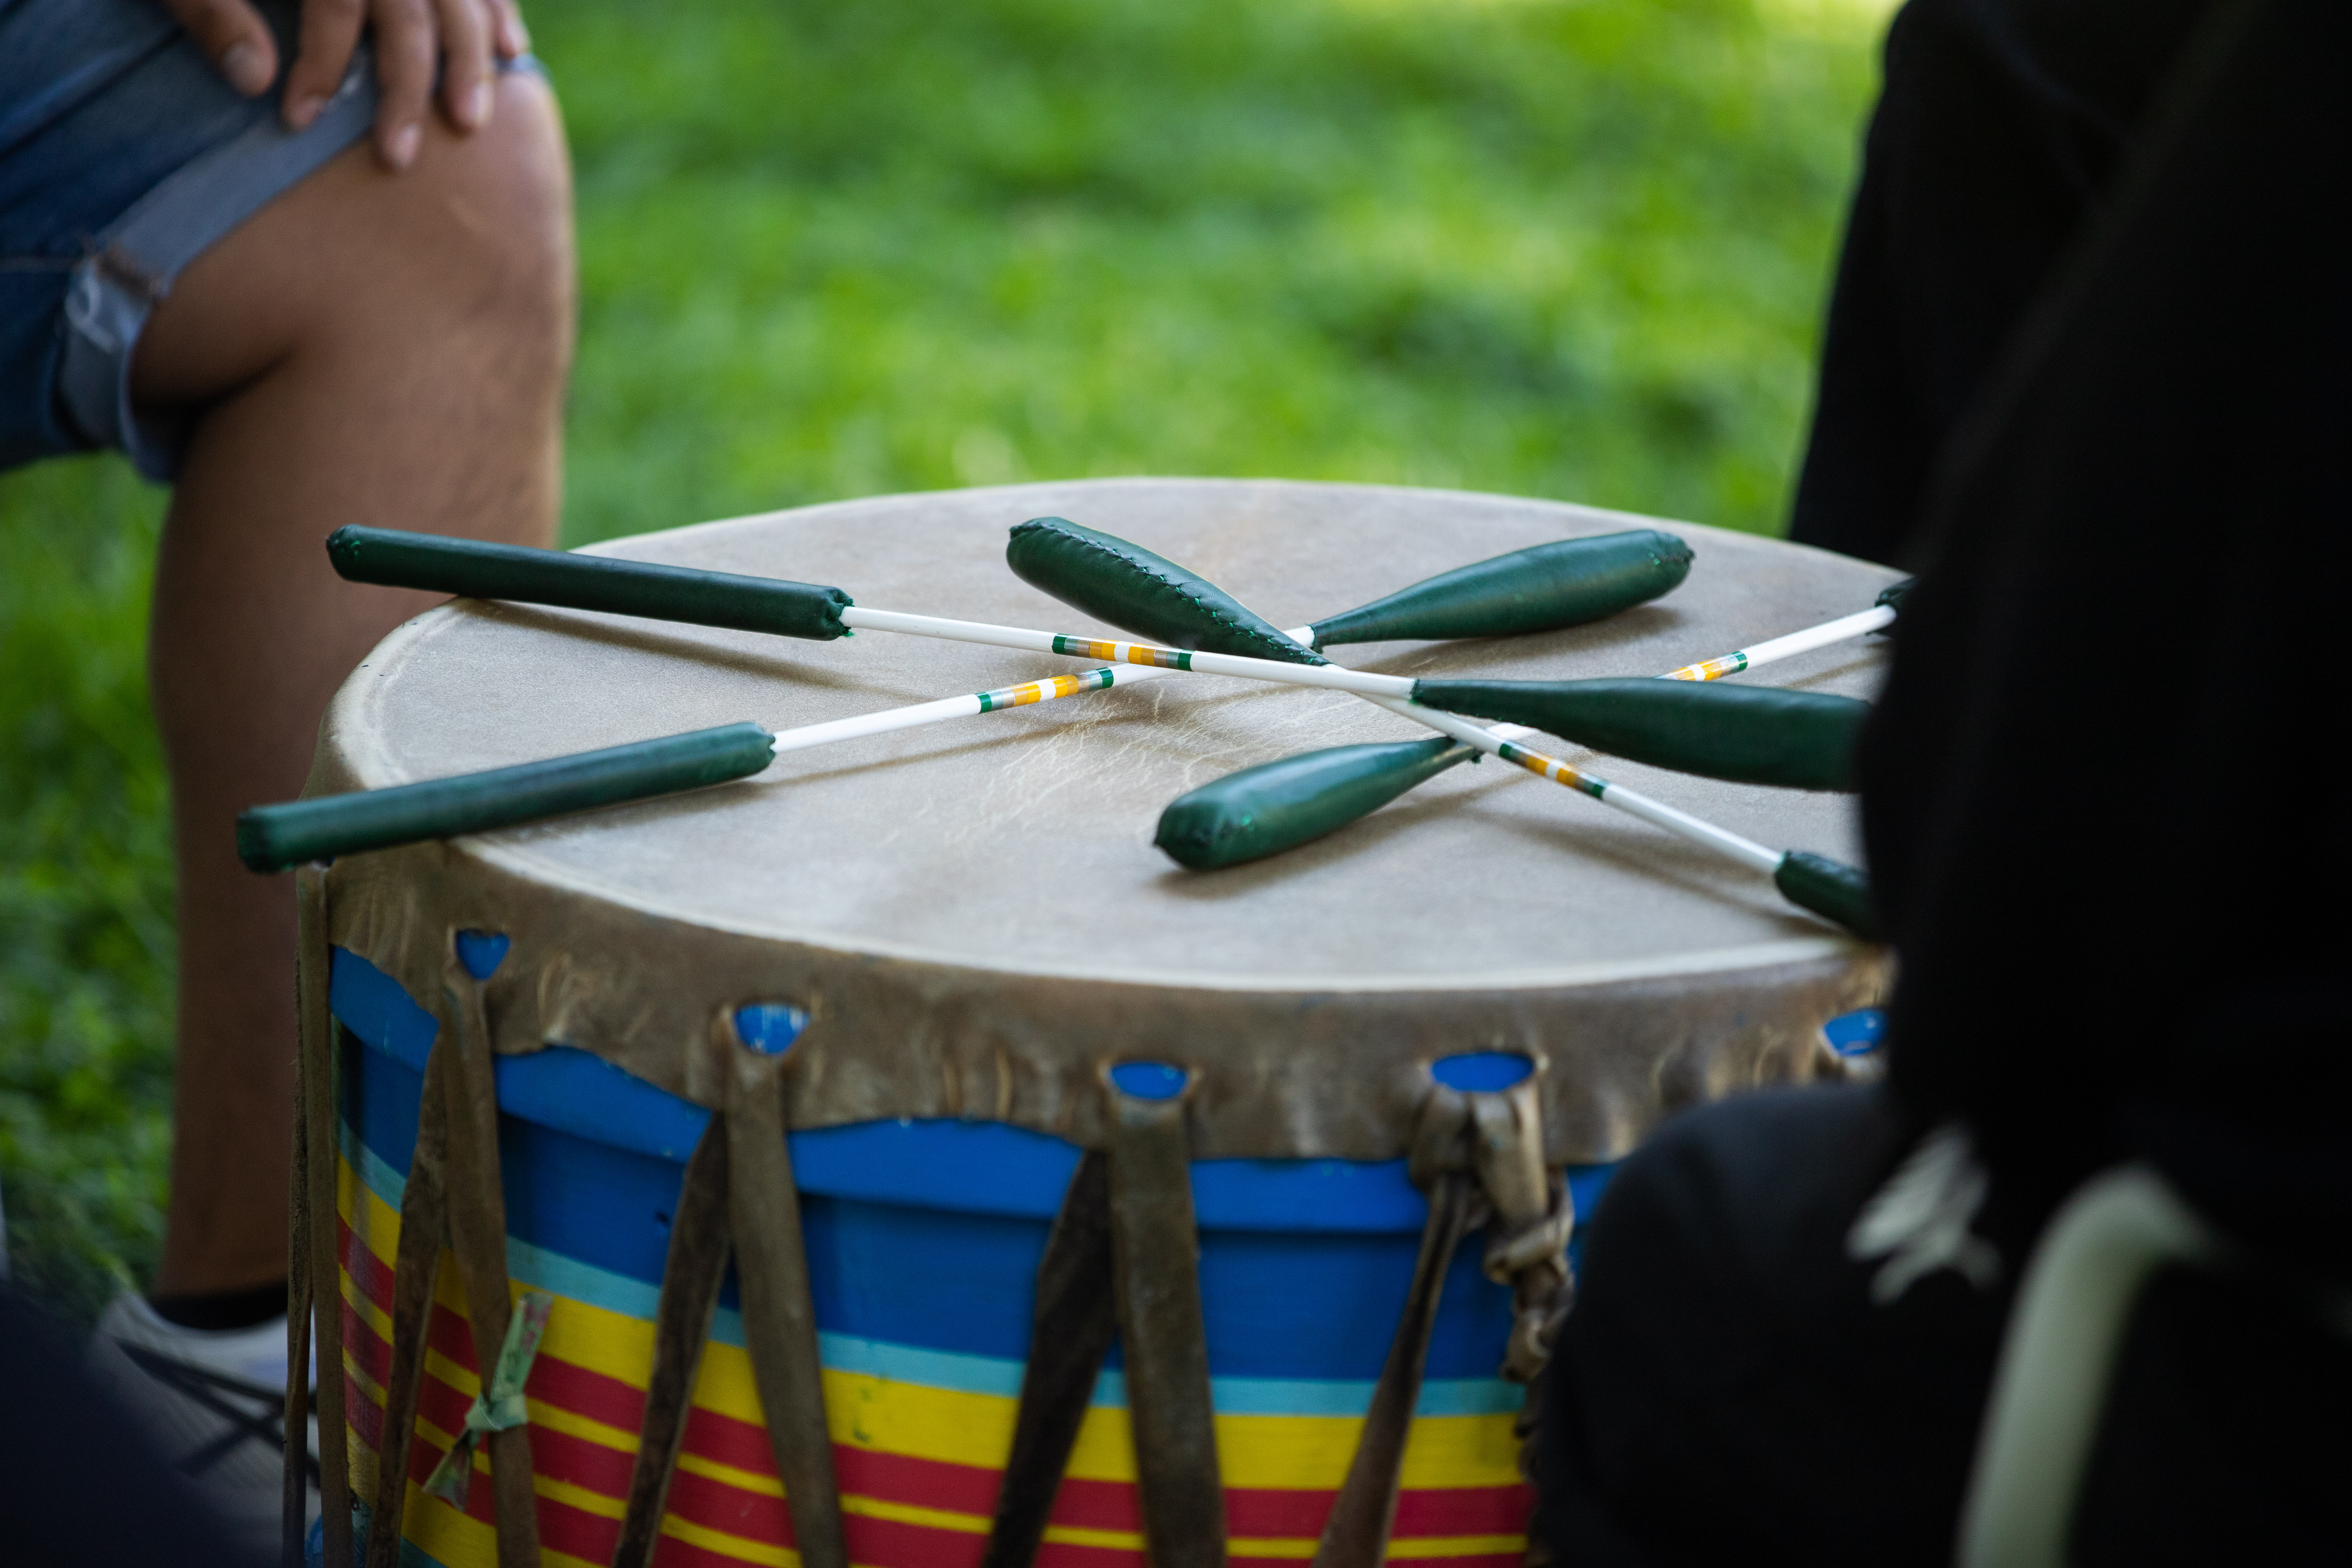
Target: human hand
412 38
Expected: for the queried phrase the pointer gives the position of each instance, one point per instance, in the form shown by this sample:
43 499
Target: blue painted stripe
994 1377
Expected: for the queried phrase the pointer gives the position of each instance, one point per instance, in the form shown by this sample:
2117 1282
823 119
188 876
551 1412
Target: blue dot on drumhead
1857 1033
1476 1072
1148 1080
481 951
770 1027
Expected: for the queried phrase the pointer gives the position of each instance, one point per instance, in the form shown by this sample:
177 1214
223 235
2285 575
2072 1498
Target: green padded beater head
478 570
1279 805
1830 889
1750 734
1130 587
1564 583
275 837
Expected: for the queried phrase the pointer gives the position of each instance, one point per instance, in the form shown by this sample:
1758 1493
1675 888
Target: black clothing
1727 1391
2104 808
2001 130
1724 1392
2105 818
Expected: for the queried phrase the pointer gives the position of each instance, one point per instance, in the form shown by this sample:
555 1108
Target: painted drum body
976 923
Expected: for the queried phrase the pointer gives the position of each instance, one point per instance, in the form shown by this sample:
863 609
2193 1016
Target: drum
894 1158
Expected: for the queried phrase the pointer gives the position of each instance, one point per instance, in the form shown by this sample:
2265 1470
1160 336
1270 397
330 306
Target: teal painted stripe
947 1370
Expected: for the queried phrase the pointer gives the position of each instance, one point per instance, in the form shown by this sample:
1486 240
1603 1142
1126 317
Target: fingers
405 51
331 31
413 40
514 39
234 37
466 61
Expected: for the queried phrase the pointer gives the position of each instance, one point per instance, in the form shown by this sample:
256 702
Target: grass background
1558 248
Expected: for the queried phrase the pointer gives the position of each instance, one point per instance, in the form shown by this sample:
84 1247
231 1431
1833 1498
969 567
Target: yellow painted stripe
373 1316
555 1418
369 1388
727 1475
909 1513
1456 1546
578 1496
1109 1540
735 1546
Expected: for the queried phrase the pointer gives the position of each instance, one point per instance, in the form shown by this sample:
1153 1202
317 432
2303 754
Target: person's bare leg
369 348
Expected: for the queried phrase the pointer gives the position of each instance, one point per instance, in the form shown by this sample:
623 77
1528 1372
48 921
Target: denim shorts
122 156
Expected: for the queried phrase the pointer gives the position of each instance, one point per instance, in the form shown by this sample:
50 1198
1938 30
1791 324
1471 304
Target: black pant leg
1725 1390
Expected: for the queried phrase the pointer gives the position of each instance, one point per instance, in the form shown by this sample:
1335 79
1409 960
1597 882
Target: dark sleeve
2105 808
1999 127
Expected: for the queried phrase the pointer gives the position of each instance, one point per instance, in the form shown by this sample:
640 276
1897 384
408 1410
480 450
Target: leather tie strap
1527 1239
1357 1533
478 1233
316 1108
1156 1274
691 1273
1075 1322
294 1500
423 1227
779 1311
1480 1158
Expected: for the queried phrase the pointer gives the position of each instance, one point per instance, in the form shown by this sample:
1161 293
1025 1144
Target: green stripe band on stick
274 837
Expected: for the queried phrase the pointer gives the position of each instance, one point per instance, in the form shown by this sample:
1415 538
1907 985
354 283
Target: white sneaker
212 1402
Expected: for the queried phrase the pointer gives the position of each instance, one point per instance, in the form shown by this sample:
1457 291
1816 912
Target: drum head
989 884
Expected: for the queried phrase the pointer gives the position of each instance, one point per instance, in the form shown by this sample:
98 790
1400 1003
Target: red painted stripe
1062 1555
926 1483
893 1543
1300 1512
669 1551
369 1272
1462 1511
371 1349
362 1415
716 1505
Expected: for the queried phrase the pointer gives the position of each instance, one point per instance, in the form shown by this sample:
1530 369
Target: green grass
1560 247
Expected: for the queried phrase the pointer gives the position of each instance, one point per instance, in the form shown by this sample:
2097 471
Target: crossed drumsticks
1682 722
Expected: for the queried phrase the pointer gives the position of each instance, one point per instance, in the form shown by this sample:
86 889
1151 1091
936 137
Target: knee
482 225
459 270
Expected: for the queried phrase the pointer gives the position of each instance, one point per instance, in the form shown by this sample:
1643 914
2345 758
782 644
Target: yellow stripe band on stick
1045 690
1712 669
1551 768
1123 652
